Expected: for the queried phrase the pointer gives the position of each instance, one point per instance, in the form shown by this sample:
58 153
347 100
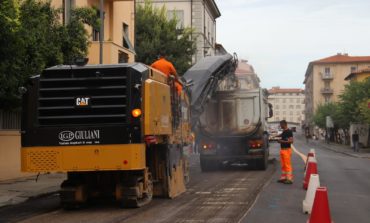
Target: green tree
75 40
155 33
365 110
40 29
323 110
33 38
352 100
10 48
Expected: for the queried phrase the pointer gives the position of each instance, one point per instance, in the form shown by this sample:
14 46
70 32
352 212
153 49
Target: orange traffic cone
320 210
311 169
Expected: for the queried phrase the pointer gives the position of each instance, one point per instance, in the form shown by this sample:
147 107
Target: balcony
326 76
327 91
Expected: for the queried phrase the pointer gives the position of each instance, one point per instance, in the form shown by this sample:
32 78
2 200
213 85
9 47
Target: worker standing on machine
167 68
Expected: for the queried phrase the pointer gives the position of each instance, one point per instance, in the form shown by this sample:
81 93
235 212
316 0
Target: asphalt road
347 179
221 196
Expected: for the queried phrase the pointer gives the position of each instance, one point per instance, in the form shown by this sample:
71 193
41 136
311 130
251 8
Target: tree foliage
323 110
33 38
155 33
351 102
352 106
10 43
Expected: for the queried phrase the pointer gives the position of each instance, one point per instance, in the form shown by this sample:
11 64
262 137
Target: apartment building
119 29
325 79
200 15
288 104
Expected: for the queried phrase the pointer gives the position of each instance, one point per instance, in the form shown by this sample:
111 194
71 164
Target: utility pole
101 33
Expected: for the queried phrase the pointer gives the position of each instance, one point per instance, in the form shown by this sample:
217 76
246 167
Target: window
277 107
353 69
327 71
277 100
122 57
95 35
291 112
125 37
178 15
284 100
284 106
277 112
297 100
298 106
291 100
298 112
327 99
291 106
284 112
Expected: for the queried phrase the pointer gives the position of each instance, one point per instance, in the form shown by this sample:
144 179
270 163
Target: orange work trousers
286 164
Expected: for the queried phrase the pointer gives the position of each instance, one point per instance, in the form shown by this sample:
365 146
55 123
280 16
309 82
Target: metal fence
10 120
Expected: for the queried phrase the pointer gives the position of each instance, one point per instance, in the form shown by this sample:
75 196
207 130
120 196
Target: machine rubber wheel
208 165
131 197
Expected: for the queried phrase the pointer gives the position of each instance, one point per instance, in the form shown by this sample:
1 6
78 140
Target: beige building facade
287 104
119 29
325 80
200 15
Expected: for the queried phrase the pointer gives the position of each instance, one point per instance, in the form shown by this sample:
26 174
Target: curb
337 151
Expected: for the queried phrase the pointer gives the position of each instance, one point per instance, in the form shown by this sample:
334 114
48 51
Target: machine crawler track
134 194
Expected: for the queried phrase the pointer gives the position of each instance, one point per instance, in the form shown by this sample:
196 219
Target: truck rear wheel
207 165
261 164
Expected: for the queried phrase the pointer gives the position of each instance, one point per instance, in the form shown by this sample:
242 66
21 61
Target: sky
280 37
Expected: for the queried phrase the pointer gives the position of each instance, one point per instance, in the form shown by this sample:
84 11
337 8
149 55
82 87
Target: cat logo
82 101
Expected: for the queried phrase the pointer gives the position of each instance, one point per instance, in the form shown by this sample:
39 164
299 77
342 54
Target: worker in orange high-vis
168 69
286 154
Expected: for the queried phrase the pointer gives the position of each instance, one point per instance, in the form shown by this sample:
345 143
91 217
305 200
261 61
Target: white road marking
203 192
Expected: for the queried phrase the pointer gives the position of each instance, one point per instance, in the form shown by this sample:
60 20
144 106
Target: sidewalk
339 148
19 190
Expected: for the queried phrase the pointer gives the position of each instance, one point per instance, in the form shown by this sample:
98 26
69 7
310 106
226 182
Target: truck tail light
207 146
255 144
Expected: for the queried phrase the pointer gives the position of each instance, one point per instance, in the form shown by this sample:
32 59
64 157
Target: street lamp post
101 33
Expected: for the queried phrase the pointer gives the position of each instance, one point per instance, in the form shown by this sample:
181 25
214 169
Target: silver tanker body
233 127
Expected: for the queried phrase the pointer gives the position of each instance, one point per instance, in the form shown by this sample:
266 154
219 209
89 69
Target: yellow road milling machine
116 130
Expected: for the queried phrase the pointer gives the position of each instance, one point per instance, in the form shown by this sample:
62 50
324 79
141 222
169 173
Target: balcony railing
327 91
326 76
